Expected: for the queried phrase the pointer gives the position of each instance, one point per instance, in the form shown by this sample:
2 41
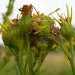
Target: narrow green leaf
67 11
54 11
69 14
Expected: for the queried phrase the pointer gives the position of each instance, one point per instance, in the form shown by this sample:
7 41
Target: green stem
65 51
72 66
72 57
72 49
40 61
29 57
19 66
61 44
18 61
37 70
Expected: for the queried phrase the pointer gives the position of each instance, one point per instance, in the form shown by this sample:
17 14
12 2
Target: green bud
24 24
67 30
12 39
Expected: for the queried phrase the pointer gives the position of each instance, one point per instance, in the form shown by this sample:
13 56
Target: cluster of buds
66 29
34 35
36 26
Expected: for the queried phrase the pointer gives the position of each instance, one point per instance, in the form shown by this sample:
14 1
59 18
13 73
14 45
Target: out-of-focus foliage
9 10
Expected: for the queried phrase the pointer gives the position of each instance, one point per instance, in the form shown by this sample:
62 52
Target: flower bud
12 38
67 30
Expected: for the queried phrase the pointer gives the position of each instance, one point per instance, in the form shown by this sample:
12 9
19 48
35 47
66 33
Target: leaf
54 11
61 18
67 10
69 14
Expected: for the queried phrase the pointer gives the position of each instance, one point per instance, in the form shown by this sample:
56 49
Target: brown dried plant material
34 27
26 9
15 22
54 30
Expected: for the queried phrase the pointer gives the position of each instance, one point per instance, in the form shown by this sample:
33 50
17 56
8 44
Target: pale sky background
44 6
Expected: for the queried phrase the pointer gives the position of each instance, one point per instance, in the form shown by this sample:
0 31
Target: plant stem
72 57
72 66
40 61
19 66
29 57
18 61
9 10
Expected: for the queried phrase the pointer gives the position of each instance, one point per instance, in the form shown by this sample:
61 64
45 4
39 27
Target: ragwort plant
32 36
27 39
67 34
